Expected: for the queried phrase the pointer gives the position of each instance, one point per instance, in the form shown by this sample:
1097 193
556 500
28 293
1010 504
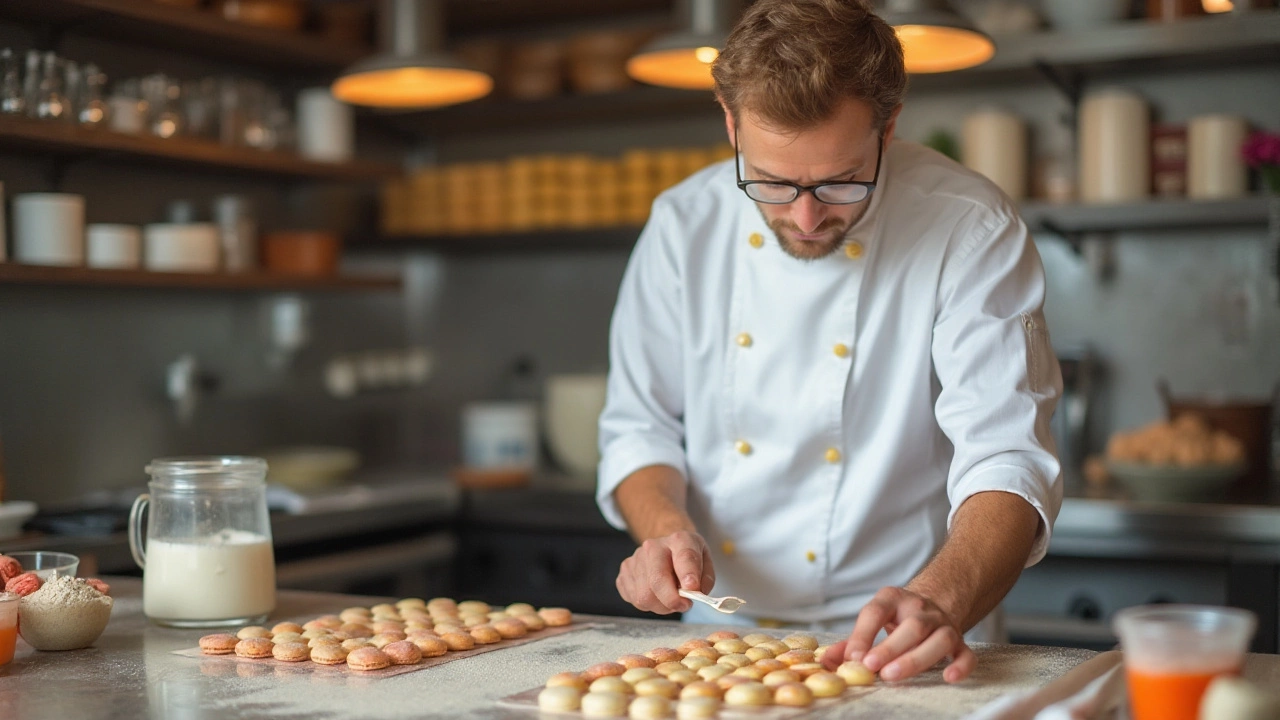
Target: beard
833 232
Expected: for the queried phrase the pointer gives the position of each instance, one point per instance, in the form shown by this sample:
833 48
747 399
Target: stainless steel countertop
131 672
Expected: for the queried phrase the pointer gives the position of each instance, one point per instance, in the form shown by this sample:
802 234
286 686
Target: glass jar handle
135 530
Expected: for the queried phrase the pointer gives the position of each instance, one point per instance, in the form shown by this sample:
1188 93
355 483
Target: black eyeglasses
776 192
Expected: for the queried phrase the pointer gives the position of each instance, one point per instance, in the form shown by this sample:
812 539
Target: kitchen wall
81 370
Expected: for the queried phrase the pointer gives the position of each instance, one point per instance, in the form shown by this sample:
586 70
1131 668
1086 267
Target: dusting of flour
471 687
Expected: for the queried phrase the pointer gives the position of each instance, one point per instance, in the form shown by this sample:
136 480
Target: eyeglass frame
811 189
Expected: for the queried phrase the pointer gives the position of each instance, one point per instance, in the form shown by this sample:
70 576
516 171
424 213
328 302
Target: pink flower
1262 149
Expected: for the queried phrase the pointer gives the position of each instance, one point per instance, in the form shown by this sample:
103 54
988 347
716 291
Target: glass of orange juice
1173 652
8 625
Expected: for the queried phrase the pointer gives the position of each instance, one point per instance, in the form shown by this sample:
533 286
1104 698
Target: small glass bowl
46 564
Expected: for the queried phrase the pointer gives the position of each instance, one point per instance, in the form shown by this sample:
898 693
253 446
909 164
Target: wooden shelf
76 142
1107 51
641 102
1040 217
611 238
188 31
17 274
1175 214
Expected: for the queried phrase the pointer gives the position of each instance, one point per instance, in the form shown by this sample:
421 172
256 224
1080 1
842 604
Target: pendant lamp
683 59
412 71
935 38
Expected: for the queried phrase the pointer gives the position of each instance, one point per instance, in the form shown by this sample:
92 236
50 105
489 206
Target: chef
831 380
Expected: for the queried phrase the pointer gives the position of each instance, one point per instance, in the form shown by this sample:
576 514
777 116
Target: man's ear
890 125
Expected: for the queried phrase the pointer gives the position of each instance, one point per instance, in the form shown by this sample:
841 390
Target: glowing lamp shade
935 38
1218 6
683 59
935 49
414 86
412 71
687 68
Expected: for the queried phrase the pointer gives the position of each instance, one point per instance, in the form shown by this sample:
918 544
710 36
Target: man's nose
808 212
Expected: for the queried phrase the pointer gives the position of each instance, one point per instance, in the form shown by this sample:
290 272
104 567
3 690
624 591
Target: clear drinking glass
31 83
1173 652
51 102
12 100
206 558
91 105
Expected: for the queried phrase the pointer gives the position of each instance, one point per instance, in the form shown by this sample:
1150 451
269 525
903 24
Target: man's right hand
650 578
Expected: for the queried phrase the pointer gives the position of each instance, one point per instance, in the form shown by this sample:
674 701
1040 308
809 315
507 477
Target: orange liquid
8 641
1169 696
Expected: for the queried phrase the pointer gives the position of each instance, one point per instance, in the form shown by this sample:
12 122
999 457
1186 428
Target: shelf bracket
1069 82
1073 238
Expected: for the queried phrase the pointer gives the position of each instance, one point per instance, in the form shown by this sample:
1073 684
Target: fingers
708 572
922 653
659 576
686 558
874 616
962 666
834 655
910 632
651 577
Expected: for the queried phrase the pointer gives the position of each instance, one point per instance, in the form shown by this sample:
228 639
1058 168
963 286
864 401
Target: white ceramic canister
500 436
326 126
994 143
48 228
181 247
1115 147
1215 167
114 246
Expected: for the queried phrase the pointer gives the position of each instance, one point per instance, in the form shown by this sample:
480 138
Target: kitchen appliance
571 417
48 228
1070 423
206 556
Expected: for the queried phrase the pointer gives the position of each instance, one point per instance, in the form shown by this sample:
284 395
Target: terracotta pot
1170 10
279 14
301 252
347 23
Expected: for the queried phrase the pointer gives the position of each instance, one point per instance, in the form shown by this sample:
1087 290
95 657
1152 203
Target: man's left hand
920 635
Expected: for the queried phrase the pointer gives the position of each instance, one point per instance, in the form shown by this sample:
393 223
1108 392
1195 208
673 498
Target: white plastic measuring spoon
728 605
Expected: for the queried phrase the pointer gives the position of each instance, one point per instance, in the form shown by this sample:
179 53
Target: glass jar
208 560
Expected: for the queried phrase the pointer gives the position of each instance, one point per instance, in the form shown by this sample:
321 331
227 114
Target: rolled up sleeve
999 379
643 419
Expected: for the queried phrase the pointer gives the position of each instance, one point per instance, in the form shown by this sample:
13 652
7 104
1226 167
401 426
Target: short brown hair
791 62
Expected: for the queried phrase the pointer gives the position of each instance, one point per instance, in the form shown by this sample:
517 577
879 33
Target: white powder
472 686
64 614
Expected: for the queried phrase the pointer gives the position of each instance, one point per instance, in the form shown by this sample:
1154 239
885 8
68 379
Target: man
831 381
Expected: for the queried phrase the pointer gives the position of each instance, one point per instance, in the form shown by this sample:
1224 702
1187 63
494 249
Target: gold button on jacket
853 249
832 455
756 240
743 340
743 447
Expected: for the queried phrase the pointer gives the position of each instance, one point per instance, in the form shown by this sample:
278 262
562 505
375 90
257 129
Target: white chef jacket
829 416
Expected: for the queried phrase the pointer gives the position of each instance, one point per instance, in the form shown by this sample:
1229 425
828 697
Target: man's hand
650 578
920 635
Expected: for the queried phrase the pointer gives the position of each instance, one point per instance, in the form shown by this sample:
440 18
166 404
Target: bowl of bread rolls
1183 459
